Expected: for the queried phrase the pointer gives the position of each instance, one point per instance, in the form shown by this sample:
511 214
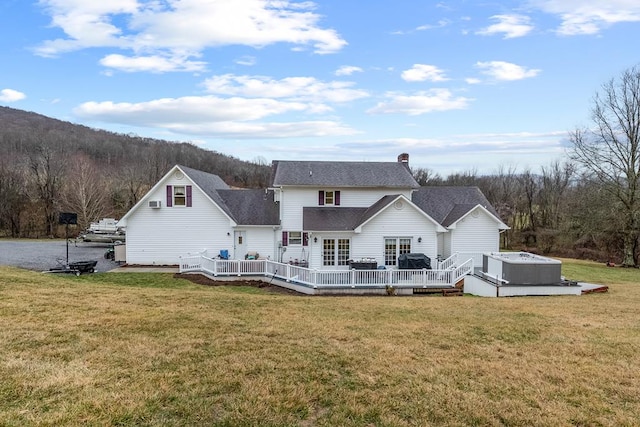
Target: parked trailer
76 268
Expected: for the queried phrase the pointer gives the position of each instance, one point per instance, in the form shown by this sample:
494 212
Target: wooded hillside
48 166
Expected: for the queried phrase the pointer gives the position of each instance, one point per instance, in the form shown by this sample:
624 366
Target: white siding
261 240
294 199
477 232
161 236
407 222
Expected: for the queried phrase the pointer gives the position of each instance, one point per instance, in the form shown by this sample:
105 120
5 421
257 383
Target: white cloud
10 95
423 72
506 71
188 109
511 26
180 29
441 23
473 81
293 88
247 61
154 64
215 116
589 16
420 103
347 70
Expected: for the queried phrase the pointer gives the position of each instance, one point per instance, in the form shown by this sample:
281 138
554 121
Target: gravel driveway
42 255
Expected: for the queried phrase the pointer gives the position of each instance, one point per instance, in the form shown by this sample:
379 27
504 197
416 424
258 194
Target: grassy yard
148 349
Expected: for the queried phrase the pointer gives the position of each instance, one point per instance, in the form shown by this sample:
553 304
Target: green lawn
148 349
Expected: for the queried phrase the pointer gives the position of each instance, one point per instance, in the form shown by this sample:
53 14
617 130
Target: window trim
171 196
325 200
402 245
340 254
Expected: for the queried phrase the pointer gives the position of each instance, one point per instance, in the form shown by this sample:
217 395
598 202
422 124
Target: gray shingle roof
342 174
448 204
251 207
210 184
204 179
341 218
331 218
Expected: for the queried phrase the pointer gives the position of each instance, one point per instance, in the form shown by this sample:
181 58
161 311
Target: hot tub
521 268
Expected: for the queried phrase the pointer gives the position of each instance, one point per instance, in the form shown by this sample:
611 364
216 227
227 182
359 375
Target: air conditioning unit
155 204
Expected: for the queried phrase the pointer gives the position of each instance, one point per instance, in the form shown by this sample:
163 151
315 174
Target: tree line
48 166
585 206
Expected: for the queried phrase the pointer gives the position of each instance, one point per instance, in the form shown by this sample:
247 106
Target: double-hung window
295 238
179 195
329 198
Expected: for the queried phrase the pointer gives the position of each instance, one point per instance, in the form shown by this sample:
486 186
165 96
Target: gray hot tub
521 268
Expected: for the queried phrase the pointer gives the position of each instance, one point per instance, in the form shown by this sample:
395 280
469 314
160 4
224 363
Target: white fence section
329 279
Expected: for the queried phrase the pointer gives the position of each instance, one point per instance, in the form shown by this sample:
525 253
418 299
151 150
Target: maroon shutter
305 239
321 198
189 201
169 196
337 196
285 238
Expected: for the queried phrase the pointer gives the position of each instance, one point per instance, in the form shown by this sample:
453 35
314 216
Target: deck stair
600 289
452 292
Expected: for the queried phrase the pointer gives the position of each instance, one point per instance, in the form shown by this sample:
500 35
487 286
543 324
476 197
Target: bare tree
425 176
47 173
85 191
611 150
13 196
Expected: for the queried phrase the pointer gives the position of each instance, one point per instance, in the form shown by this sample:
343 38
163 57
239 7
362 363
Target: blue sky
459 85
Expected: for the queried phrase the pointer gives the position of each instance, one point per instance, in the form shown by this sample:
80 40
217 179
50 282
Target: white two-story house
319 214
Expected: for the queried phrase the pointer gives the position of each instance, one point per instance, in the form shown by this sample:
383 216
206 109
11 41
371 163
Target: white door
239 244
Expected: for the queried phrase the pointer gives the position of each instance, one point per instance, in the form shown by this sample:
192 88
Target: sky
462 86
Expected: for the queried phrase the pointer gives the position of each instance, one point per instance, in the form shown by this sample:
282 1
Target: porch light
419 239
315 240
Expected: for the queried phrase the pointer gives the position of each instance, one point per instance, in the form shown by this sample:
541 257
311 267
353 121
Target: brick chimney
404 159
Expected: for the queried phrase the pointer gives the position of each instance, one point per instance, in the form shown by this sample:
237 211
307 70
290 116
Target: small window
295 237
179 195
329 198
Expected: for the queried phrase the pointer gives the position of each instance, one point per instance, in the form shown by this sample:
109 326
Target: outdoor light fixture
419 239
315 240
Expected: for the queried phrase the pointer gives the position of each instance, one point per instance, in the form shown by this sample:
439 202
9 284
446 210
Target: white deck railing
319 279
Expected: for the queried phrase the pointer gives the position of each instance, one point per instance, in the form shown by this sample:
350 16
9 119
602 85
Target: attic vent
155 204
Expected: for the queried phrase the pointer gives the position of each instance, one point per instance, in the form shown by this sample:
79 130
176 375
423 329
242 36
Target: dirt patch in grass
204 280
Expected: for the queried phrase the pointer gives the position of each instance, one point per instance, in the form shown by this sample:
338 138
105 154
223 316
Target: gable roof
341 174
209 184
447 205
349 219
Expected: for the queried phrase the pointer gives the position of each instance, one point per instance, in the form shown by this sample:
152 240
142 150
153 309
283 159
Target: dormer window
329 198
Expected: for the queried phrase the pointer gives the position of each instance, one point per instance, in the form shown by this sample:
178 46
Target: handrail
327 278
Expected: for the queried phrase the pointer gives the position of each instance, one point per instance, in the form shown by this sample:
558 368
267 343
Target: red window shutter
169 196
189 200
305 239
321 198
285 238
337 196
